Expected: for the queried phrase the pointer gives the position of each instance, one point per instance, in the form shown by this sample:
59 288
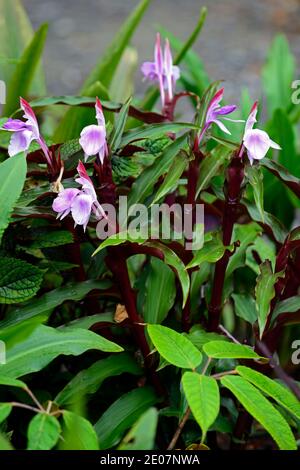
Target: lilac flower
215 111
162 70
25 132
256 141
93 137
79 202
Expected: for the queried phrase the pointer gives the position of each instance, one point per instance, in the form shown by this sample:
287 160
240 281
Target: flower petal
14 125
274 145
99 113
31 117
227 109
62 203
81 209
92 139
20 142
148 69
252 118
221 126
257 142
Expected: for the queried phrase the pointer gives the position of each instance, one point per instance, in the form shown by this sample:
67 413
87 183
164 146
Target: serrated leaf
264 293
22 78
123 413
79 433
46 303
203 397
88 381
282 395
174 347
43 432
19 280
12 179
226 350
142 434
46 343
262 410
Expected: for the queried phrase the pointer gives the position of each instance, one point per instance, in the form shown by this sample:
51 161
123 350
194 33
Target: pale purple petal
274 145
168 63
14 125
257 143
62 203
227 109
252 118
92 139
215 101
148 69
81 209
20 142
31 117
99 113
158 56
176 73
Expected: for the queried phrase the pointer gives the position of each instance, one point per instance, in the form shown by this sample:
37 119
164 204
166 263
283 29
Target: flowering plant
107 328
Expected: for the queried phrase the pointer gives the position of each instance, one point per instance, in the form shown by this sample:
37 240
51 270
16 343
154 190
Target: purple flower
215 111
79 202
162 70
25 132
93 137
256 141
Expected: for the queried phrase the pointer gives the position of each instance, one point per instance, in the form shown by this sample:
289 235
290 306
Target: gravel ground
233 43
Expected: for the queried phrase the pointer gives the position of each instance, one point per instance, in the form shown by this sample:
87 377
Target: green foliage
19 280
43 432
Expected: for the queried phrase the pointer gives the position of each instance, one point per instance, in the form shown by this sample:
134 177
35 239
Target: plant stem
232 191
179 429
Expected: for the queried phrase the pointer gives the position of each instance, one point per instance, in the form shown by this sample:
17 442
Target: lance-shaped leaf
46 343
174 347
271 224
123 414
171 180
142 434
78 433
43 432
291 181
282 395
203 396
211 252
12 179
21 80
119 127
264 293
255 178
211 166
262 410
278 74
227 350
290 305
245 307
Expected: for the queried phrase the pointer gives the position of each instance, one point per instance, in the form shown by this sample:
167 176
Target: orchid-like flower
162 70
24 132
215 112
79 202
256 141
93 137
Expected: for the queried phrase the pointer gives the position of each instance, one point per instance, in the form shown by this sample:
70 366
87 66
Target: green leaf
88 381
119 127
282 395
245 307
15 34
19 280
278 74
255 178
87 322
203 396
142 434
174 347
211 252
159 292
21 80
79 433
264 293
122 85
143 186
200 337
283 174
210 167
52 239
290 305
152 131
17 333
47 302
123 414
226 350
46 343
273 224
5 410
5 443
245 234
171 180
10 382
12 179
262 410
43 432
